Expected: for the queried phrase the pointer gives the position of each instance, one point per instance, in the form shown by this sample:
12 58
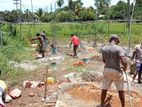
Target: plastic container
50 80
85 60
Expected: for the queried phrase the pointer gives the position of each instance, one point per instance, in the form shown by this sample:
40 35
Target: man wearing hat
113 57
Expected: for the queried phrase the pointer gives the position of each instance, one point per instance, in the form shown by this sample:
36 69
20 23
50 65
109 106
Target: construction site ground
77 82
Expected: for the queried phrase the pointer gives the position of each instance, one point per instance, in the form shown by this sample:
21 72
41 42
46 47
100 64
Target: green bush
65 16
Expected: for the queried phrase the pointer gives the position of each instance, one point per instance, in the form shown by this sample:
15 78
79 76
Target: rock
16 93
32 84
8 99
73 77
41 84
31 94
27 84
92 76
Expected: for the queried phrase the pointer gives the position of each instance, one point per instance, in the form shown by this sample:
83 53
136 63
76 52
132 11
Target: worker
41 46
43 35
3 89
75 42
113 57
53 47
137 58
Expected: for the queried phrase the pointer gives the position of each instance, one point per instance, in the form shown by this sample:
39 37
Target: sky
45 4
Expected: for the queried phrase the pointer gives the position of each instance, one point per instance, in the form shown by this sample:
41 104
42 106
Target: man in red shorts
75 42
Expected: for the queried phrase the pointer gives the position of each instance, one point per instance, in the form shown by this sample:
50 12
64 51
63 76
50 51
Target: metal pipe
128 90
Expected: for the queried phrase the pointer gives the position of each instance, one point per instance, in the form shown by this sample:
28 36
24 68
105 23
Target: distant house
102 16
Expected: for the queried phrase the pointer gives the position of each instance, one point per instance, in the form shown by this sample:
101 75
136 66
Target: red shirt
75 40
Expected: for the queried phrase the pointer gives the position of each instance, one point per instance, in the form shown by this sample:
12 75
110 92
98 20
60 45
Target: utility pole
20 19
33 20
51 7
16 2
46 9
108 16
32 10
1 41
129 24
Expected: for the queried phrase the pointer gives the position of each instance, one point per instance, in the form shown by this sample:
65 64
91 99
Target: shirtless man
41 46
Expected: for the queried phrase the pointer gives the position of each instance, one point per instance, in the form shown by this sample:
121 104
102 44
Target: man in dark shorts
113 57
75 42
137 57
41 46
43 35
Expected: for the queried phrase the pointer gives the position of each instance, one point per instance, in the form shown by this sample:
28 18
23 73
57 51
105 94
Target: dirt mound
91 93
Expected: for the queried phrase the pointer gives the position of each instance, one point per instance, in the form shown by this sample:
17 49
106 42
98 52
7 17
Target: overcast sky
45 4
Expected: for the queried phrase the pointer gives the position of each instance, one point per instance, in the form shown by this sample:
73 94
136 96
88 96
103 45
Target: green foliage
87 14
138 12
102 6
4 65
64 16
119 11
11 50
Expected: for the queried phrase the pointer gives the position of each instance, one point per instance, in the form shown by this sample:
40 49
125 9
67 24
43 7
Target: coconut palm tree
60 3
39 14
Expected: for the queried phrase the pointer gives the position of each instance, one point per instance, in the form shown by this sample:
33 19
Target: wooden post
46 74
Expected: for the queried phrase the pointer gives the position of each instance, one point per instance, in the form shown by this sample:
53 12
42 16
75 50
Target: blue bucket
54 50
85 60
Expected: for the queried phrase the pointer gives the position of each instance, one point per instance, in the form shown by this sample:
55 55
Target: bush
65 16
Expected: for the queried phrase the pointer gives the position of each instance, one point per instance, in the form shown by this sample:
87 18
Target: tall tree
139 2
60 3
76 6
71 4
102 6
39 14
138 10
119 11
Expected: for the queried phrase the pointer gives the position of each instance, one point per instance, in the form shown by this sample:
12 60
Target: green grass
88 30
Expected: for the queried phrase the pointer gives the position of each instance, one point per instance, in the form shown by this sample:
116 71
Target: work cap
114 36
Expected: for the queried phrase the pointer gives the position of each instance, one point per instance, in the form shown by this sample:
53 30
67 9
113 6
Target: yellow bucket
50 80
